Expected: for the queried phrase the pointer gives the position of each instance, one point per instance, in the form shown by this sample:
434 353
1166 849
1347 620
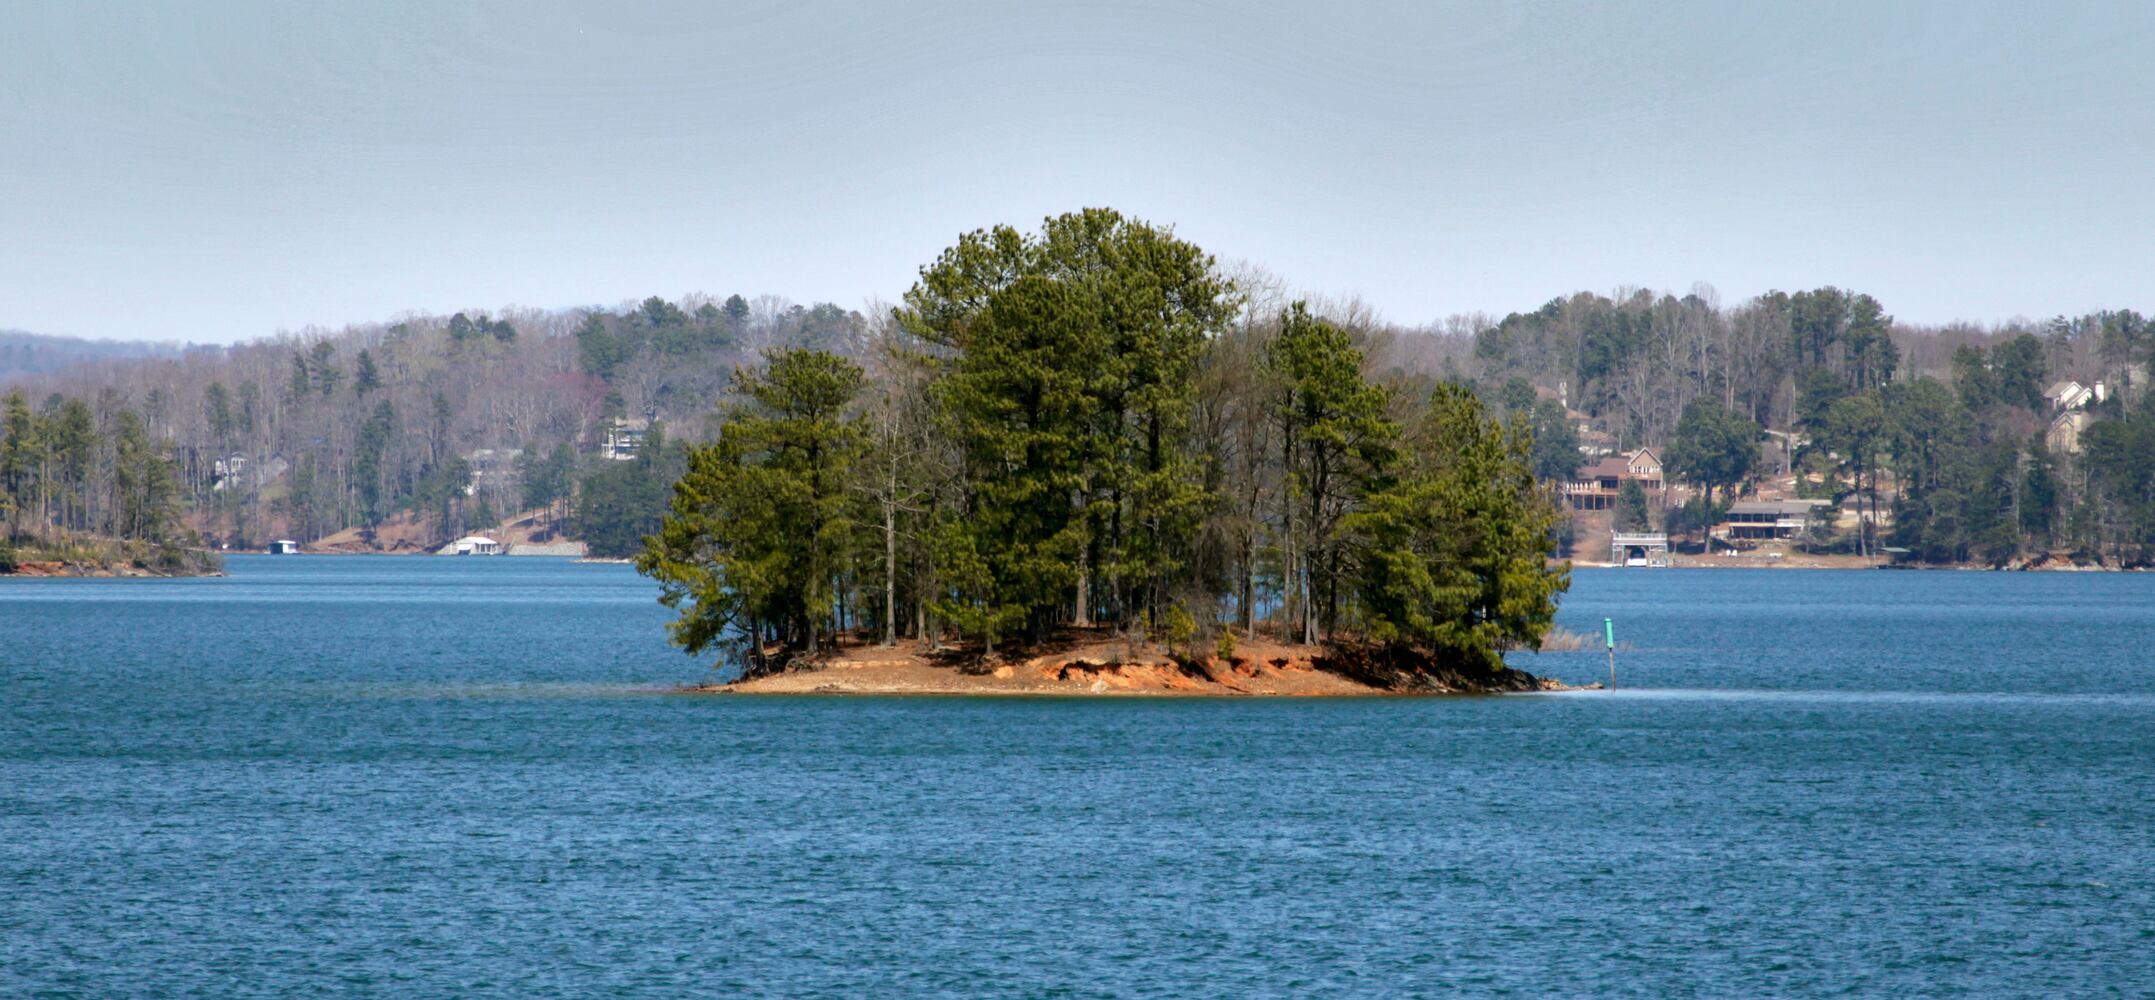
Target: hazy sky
218 171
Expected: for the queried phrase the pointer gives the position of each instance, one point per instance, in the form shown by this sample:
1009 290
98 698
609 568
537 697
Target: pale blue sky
219 171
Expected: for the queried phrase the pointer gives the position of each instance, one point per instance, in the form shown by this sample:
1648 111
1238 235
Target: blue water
460 778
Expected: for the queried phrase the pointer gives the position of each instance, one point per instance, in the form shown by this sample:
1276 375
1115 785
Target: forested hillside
1954 444
448 423
1942 443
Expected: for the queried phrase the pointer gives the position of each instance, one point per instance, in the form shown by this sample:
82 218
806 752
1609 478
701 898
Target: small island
84 493
1085 460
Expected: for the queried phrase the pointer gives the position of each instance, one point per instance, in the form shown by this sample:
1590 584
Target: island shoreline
1098 667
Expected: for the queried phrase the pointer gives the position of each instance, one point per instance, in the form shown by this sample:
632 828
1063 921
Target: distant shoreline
1858 563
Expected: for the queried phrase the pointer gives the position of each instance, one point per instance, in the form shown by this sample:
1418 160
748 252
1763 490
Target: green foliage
598 350
617 504
1067 388
61 473
1556 443
367 377
322 370
1713 448
1337 434
1177 628
22 451
1695 516
2014 373
2121 457
464 329
1451 554
760 523
374 439
1517 397
547 481
217 412
1631 512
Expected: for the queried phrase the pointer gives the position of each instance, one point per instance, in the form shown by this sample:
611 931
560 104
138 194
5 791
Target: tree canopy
1087 431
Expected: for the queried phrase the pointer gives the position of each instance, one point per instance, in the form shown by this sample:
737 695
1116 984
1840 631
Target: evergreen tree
374 438
1556 443
22 455
761 521
1631 511
1068 385
1714 448
367 377
1336 434
1452 553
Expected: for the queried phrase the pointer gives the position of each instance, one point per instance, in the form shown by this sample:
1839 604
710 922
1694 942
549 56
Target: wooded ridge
1962 444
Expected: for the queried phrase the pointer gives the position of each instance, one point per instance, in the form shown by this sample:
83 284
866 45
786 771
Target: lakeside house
2063 435
1597 486
2069 402
1769 519
1595 444
471 545
2071 395
624 438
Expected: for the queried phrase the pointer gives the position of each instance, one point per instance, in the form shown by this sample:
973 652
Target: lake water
382 776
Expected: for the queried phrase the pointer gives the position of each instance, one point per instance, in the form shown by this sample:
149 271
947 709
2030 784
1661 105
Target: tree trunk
890 574
1083 618
1246 615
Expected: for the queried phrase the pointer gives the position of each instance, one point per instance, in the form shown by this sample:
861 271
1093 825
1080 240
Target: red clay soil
1097 663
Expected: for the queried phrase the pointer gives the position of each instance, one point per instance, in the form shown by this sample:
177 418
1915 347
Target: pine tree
1068 385
1451 554
762 521
21 456
367 377
1335 435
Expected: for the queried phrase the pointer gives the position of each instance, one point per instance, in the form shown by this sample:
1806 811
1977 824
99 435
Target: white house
624 438
2069 395
1757 519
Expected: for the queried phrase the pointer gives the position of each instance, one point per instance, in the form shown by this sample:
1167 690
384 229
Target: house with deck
624 438
1597 486
1760 520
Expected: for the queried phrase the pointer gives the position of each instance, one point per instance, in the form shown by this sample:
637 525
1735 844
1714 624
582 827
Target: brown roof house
1597 486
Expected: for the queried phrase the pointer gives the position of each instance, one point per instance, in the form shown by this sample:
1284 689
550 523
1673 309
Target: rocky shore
104 558
1113 667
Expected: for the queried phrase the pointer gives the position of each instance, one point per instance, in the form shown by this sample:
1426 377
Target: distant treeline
454 422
